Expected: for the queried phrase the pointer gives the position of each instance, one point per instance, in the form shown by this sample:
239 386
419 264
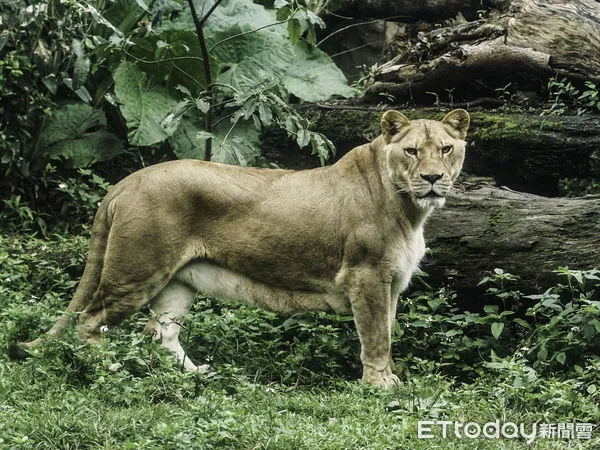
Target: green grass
277 382
42 411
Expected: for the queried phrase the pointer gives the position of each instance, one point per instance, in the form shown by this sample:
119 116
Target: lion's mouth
431 194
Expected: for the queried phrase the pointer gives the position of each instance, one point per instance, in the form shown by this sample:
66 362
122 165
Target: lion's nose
432 177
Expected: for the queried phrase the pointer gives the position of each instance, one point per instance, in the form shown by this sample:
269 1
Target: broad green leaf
453 332
497 328
521 322
491 309
294 30
495 365
124 14
202 105
314 19
561 357
542 353
234 151
229 146
313 76
74 132
248 60
308 74
90 148
303 138
578 276
283 13
51 83
81 68
265 114
182 64
189 139
230 13
83 94
596 324
483 281
145 106
71 121
183 90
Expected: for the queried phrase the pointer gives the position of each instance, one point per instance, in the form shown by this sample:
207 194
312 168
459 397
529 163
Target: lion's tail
89 280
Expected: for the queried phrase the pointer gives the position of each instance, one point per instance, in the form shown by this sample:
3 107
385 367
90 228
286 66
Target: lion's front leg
392 321
370 297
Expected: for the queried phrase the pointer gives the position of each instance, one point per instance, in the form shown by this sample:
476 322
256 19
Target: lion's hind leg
168 309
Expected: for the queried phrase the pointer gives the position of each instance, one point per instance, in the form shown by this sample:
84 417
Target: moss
345 124
495 127
363 125
498 216
492 134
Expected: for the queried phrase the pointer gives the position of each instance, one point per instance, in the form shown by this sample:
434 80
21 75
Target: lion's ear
459 121
391 123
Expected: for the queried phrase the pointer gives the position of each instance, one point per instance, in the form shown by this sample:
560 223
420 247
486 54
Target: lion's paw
385 382
390 381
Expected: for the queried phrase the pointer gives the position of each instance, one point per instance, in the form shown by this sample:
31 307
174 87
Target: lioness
347 237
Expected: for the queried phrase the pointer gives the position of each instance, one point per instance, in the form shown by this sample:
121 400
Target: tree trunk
522 151
528 42
523 234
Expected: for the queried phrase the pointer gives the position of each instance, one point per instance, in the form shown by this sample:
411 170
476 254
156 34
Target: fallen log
525 44
485 227
525 152
411 10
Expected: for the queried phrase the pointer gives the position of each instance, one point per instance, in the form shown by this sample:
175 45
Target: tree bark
528 42
524 234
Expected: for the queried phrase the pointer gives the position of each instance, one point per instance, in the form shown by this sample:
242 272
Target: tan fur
347 237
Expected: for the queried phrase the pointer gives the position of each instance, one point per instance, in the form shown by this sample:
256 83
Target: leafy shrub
564 95
85 192
430 326
109 76
18 215
43 64
305 348
128 392
561 328
71 205
38 278
567 321
577 187
522 337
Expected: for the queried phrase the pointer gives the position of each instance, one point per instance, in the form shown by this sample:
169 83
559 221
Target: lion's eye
446 149
411 151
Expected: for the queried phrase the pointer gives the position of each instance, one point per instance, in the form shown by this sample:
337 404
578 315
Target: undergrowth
289 381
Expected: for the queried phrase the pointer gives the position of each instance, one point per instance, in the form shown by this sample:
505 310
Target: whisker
402 188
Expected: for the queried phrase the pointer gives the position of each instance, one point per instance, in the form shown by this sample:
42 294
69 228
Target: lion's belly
284 253
213 280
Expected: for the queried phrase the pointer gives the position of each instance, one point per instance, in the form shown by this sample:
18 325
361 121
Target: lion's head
424 157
